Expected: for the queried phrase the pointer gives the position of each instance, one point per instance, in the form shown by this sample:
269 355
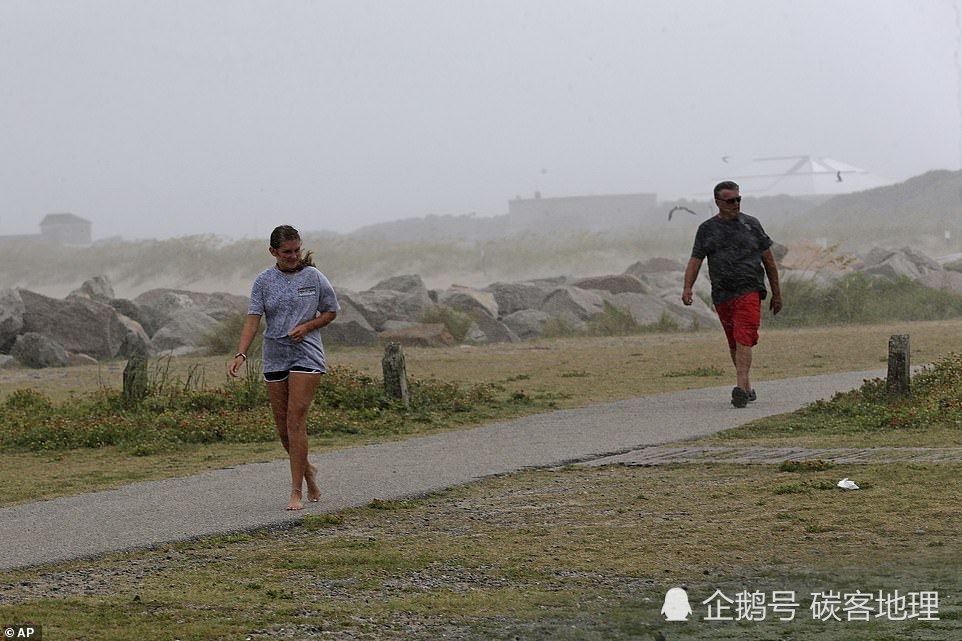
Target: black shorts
277 377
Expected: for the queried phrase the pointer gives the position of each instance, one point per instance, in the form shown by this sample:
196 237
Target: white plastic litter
846 484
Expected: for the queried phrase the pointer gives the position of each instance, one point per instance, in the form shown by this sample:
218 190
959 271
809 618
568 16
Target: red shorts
740 317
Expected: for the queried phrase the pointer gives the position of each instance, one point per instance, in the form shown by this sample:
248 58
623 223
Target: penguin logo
676 606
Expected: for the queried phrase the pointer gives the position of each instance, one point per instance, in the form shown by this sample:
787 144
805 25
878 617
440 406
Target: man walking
739 256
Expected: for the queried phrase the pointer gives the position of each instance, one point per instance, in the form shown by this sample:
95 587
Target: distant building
65 229
58 229
579 212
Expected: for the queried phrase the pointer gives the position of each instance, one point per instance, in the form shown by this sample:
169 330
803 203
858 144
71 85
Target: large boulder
158 306
97 288
514 297
11 317
381 305
573 305
645 309
946 280
421 335
38 351
615 284
184 332
894 267
349 328
77 323
527 323
486 329
133 311
407 283
469 300
654 266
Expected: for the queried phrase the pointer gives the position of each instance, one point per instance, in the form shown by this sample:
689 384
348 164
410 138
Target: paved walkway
253 496
666 455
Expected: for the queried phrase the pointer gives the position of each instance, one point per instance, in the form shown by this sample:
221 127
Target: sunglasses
730 201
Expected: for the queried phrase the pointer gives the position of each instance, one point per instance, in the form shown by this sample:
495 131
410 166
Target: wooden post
135 379
899 374
395 373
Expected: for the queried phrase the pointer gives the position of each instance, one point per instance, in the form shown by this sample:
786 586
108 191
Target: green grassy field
570 553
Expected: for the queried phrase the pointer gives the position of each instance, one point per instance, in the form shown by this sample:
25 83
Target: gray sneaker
739 397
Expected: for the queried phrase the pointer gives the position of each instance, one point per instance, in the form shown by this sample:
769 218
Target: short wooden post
899 374
395 373
135 379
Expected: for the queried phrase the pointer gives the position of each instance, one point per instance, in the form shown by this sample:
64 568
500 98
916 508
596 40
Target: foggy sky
174 117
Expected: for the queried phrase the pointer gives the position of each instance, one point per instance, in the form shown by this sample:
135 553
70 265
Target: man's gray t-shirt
734 251
286 301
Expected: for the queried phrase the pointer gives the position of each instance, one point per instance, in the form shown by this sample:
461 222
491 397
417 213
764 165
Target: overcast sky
160 118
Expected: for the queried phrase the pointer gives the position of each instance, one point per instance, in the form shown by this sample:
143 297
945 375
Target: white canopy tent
802 176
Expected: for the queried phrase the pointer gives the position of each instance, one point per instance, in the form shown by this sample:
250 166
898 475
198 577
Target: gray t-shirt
287 300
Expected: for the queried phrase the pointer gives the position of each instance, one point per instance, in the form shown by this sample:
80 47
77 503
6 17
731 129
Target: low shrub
177 412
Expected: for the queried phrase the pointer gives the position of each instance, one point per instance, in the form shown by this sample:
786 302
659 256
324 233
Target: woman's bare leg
300 393
280 397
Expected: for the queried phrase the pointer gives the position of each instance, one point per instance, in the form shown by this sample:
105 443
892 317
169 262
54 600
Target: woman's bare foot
313 489
295 502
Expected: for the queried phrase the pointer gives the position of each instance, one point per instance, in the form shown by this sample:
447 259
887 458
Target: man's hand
775 304
686 296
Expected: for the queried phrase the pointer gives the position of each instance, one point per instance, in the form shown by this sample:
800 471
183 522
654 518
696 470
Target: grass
572 553
576 553
530 377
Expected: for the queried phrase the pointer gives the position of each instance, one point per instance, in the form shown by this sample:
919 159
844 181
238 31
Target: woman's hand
235 364
298 333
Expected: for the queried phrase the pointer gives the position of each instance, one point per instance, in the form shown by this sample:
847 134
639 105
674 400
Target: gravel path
253 496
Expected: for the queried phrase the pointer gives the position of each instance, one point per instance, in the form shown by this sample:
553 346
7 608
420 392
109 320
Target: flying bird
725 158
677 207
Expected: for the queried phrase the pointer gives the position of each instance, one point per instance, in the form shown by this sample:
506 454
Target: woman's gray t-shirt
286 301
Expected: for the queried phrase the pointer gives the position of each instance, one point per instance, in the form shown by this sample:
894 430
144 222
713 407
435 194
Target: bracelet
241 354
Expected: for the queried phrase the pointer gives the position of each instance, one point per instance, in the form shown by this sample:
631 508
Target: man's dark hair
728 184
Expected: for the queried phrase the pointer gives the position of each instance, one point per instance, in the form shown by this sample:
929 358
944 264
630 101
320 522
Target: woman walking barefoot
297 300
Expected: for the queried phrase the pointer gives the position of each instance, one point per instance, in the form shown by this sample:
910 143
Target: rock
527 323
6 360
945 280
646 309
349 328
616 284
132 310
408 283
158 306
11 317
393 325
77 323
487 329
80 359
379 306
422 335
896 266
654 266
469 300
37 351
514 297
573 305
183 332
97 288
